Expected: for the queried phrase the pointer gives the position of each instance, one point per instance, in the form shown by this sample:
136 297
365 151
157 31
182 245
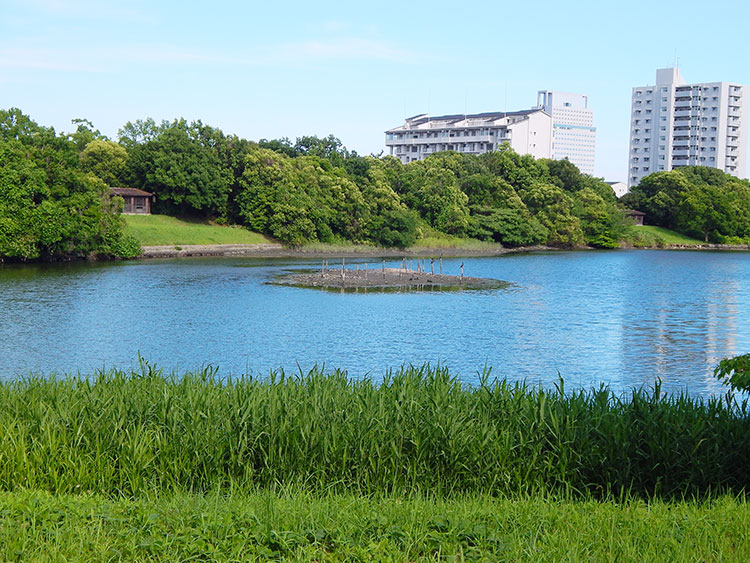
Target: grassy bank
298 526
162 230
648 235
420 430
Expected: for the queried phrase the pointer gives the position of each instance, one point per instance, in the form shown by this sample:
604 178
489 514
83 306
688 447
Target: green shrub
735 372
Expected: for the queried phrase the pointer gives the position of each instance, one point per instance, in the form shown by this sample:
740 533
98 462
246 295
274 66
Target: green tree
84 133
329 147
49 207
697 201
553 208
602 222
105 159
658 195
186 176
140 132
437 197
283 146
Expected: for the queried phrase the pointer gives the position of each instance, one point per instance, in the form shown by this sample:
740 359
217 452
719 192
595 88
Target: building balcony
686 113
684 153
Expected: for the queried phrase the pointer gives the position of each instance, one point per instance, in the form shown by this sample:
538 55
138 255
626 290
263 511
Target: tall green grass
419 430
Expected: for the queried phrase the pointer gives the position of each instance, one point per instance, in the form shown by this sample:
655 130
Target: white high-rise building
527 132
573 131
674 124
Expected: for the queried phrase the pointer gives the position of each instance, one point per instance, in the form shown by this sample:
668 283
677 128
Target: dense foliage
316 190
311 190
417 430
52 204
704 203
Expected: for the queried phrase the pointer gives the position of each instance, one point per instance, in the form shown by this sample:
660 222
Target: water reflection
621 318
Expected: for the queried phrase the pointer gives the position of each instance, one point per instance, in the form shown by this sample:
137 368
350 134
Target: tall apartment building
527 132
573 131
674 124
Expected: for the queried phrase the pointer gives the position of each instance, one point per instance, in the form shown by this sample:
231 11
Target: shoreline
278 251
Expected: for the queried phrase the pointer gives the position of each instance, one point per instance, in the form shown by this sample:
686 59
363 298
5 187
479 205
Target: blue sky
286 69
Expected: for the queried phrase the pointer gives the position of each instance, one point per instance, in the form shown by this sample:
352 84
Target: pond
621 318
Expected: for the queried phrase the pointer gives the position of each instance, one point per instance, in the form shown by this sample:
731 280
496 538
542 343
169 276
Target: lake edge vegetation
319 466
141 432
56 205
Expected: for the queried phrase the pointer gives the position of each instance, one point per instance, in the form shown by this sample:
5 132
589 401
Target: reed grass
419 430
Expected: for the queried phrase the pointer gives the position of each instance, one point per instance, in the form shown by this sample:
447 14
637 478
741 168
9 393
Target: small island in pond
377 277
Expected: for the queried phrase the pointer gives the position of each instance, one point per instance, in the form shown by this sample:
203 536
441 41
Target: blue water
622 318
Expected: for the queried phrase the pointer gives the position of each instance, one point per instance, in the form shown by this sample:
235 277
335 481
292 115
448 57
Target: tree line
55 200
52 205
316 190
704 203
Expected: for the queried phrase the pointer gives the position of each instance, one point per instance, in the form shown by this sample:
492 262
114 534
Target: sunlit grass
456 243
649 235
299 526
161 230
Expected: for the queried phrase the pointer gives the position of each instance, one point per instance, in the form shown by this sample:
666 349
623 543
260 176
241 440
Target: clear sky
287 69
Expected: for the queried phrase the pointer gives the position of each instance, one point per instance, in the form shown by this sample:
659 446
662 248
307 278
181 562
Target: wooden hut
636 216
136 201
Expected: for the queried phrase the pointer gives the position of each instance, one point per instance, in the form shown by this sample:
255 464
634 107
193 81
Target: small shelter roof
129 192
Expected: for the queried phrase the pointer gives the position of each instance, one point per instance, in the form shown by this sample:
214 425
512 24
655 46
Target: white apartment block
573 131
527 132
675 124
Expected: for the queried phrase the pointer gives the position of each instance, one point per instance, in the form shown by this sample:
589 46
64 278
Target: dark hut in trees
136 201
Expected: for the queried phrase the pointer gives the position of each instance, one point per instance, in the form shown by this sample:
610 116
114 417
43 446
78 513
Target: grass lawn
158 230
431 238
651 235
299 526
